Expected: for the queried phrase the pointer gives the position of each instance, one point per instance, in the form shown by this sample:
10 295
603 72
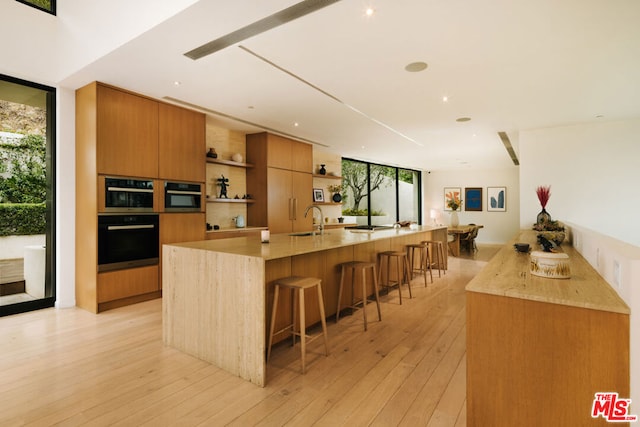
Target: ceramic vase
454 219
543 217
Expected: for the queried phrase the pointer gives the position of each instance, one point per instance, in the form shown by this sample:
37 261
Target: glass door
26 196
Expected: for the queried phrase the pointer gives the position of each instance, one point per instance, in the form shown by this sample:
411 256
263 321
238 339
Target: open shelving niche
332 177
229 163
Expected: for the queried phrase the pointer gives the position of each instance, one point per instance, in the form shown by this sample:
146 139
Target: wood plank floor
69 367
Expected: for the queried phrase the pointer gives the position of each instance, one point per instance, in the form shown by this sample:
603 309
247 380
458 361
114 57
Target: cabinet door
279 152
127 134
279 200
301 157
302 188
181 144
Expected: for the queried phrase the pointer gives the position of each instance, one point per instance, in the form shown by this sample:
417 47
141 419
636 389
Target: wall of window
376 194
27 219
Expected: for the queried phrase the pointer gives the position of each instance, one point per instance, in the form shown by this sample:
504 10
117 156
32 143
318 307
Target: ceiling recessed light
296 124
177 83
463 119
445 99
415 67
370 11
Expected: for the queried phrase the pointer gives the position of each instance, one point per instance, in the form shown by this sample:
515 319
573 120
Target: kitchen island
538 349
217 294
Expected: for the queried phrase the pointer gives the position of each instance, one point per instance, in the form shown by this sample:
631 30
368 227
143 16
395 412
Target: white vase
454 219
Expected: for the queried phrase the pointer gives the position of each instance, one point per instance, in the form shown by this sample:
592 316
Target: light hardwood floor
70 367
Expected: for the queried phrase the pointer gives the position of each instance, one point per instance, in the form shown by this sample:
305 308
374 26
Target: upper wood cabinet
127 133
181 144
283 153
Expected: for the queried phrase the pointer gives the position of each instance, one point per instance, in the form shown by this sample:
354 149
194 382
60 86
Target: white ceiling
509 65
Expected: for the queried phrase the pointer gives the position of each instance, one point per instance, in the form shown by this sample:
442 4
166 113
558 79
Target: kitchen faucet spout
320 226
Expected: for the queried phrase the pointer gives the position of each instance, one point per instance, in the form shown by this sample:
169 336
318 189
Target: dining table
458 232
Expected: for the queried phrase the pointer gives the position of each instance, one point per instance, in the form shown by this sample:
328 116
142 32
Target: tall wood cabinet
123 134
280 182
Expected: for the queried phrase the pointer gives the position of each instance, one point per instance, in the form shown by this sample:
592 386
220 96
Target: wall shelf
218 200
229 163
316 175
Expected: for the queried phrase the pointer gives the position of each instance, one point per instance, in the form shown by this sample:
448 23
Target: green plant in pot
335 190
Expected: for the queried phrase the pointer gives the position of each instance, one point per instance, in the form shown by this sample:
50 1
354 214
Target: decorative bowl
521 247
556 237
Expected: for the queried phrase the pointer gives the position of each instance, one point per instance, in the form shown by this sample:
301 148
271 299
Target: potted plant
335 190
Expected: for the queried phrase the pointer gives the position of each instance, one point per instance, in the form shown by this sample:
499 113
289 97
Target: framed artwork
473 199
496 199
451 193
318 195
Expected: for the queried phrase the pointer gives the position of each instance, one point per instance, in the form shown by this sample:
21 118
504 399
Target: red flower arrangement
543 195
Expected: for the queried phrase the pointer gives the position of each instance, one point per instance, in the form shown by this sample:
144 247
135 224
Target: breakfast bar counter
217 294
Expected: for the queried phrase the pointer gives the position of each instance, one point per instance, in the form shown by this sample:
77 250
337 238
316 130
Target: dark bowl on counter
521 247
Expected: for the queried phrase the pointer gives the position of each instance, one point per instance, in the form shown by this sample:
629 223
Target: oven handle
194 193
130 190
129 227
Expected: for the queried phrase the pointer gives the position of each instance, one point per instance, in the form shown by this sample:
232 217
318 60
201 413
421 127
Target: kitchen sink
304 233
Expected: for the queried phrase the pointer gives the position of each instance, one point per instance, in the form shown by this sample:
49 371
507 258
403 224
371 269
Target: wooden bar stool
298 285
359 268
402 265
437 249
423 250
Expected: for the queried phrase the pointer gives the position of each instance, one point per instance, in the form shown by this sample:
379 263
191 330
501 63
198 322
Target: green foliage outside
361 212
22 219
25 165
44 4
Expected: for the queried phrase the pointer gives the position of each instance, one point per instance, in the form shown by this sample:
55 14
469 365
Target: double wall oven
129 227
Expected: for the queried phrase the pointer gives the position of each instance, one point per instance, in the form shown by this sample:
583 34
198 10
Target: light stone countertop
508 274
284 245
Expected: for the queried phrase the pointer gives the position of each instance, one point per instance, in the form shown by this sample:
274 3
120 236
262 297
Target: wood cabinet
120 133
181 144
280 182
538 349
180 227
127 132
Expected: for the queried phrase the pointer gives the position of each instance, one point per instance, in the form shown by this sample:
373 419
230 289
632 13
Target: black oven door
182 197
128 195
127 241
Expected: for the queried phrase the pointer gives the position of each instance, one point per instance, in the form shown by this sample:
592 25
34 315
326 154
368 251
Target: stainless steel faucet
321 225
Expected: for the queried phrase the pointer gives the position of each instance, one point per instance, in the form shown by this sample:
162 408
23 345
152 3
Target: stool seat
402 265
298 284
359 268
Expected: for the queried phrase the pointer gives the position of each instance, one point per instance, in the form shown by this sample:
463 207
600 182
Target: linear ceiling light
327 94
265 24
507 144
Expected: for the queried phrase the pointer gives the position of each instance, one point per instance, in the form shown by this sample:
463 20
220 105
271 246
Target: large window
46 5
380 195
27 118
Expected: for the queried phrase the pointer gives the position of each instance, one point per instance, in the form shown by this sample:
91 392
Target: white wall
499 227
593 172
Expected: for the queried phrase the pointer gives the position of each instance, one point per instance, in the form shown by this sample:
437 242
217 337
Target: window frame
52 10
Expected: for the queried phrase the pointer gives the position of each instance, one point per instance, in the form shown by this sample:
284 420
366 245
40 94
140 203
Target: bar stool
423 250
402 267
437 249
297 285
356 268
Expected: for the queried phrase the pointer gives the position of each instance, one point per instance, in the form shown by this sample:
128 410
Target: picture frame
449 193
318 195
473 199
496 199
